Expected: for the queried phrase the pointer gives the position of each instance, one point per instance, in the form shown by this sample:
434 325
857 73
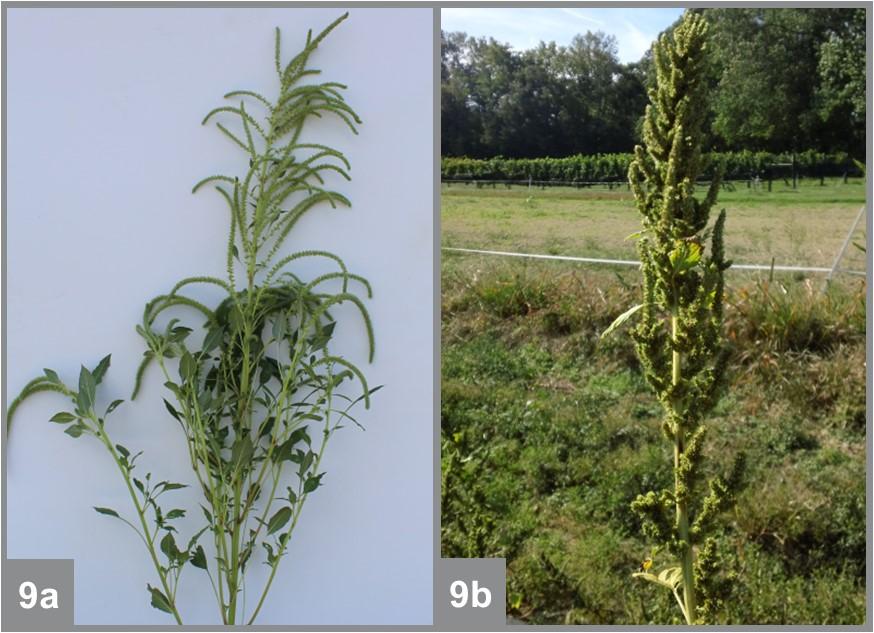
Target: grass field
549 432
804 226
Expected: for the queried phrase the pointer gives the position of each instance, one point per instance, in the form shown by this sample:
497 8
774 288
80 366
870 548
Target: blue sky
634 28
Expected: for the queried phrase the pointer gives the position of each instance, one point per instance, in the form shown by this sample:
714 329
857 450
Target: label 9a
32 597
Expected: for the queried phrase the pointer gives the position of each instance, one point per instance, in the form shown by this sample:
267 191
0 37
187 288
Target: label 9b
478 597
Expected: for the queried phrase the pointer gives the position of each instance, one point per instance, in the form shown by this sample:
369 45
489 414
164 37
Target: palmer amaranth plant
246 396
679 336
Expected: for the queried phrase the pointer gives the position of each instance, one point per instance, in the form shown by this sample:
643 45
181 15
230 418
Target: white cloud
634 29
636 42
578 13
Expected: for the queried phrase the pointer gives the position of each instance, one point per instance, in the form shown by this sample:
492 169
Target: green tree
547 101
841 69
460 124
779 76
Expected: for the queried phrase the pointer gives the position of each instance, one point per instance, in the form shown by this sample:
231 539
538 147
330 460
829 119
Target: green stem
233 576
197 443
687 560
150 543
301 500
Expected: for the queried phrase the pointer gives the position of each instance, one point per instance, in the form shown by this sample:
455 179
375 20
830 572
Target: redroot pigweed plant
679 336
260 397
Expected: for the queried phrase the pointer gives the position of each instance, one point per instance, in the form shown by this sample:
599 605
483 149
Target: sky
634 28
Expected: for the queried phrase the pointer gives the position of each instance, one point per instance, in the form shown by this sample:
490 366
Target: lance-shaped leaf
622 318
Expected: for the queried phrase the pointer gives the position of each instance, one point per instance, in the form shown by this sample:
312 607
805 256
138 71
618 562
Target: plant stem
150 543
302 497
233 577
682 511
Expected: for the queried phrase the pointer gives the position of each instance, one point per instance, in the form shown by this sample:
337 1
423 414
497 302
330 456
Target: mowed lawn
804 226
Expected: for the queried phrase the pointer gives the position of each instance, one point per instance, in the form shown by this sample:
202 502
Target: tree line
589 168
779 80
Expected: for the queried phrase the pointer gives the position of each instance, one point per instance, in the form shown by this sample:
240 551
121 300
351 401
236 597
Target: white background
104 143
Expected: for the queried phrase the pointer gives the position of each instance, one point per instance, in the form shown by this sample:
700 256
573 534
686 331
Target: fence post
844 246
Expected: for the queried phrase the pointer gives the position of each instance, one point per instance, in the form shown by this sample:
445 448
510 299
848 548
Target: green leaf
63 417
107 511
198 558
87 390
685 256
322 337
175 514
306 462
76 430
187 367
173 486
172 386
622 318
280 328
242 452
113 406
278 520
212 340
122 451
169 547
100 371
52 376
671 577
312 483
269 369
310 416
637 235
270 555
285 451
179 334
266 426
159 600
172 410
299 434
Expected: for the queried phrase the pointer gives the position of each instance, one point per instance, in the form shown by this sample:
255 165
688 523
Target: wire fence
629 262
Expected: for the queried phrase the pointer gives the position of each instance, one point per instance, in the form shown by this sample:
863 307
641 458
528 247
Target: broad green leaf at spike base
622 318
685 256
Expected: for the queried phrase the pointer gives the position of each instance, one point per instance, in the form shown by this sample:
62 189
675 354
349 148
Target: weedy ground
804 226
549 433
